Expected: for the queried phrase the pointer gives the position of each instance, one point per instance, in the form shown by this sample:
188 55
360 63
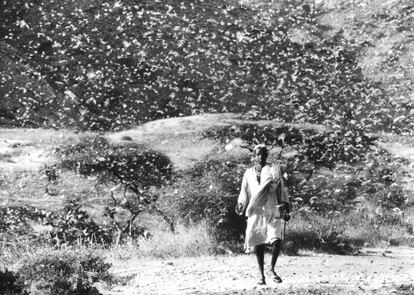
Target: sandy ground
374 271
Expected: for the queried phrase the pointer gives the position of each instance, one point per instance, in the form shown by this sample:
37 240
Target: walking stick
284 230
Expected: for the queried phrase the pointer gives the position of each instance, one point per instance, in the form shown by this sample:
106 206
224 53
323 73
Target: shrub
9 283
70 226
15 219
133 165
328 149
63 272
73 226
391 197
135 168
312 231
209 191
269 134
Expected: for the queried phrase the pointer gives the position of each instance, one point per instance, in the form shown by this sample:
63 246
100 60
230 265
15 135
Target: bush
64 272
135 168
328 149
134 165
70 226
328 233
9 283
391 197
73 226
15 218
209 192
269 134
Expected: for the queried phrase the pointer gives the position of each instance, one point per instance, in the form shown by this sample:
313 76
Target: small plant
15 219
73 226
393 197
9 283
64 272
69 226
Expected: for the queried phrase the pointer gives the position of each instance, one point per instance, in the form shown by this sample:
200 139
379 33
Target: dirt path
375 271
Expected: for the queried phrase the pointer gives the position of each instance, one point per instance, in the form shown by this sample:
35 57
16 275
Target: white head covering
260 146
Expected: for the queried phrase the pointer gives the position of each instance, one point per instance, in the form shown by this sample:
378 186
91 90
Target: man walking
264 199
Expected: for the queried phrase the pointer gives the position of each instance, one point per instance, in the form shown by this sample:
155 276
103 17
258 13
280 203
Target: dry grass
342 233
191 241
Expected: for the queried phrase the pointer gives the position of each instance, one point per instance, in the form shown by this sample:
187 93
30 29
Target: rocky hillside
106 65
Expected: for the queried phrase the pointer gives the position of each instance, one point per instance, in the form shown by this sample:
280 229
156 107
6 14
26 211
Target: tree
133 168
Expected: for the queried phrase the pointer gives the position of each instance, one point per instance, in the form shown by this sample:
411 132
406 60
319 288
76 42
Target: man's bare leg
276 245
260 250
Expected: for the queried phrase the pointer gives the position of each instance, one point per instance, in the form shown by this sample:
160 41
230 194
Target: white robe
262 207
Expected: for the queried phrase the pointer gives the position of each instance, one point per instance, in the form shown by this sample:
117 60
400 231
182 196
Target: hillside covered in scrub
106 65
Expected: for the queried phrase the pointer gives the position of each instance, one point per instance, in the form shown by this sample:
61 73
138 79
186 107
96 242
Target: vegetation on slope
384 31
114 64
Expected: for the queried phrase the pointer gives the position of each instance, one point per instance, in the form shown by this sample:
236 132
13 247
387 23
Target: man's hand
286 216
239 208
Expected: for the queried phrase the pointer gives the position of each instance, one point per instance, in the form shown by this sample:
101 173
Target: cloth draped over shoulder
261 202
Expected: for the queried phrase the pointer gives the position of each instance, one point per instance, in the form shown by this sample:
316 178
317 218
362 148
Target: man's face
260 156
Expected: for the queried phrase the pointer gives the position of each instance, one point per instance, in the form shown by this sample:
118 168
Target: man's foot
261 282
274 276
